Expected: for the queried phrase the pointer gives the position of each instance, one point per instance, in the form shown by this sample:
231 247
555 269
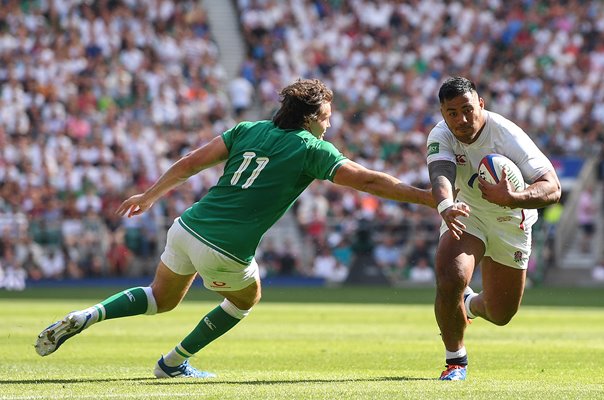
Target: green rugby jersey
267 169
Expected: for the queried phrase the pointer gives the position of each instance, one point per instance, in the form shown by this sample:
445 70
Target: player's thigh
169 288
456 259
185 254
502 290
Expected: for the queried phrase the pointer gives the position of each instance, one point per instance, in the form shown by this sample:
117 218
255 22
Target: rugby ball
492 165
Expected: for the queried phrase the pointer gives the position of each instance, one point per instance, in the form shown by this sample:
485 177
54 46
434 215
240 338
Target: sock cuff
181 351
100 310
233 311
151 303
469 313
456 354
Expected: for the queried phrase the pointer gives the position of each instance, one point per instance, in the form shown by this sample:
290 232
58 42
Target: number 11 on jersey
248 156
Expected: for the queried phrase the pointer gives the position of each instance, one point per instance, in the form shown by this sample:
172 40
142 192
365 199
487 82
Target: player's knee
248 302
165 302
167 305
502 317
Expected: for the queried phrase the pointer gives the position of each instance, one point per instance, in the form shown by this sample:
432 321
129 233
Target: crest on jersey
461 159
433 148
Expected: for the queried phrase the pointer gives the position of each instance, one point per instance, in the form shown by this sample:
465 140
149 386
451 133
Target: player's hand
500 193
451 217
135 205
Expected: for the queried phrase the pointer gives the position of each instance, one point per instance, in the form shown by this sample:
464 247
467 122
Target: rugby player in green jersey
267 165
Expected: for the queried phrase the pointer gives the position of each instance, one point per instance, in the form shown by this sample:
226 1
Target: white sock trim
233 311
97 313
181 350
455 354
151 303
467 305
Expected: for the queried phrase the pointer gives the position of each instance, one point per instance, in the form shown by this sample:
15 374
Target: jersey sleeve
323 160
532 163
439 145
526 155
230 135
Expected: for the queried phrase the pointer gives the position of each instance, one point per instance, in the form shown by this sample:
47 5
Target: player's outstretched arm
204 157
356 176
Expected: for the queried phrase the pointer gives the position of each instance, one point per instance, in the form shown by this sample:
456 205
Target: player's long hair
301 102
455 86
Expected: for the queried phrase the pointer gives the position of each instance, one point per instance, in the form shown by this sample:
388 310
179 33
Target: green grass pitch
348 343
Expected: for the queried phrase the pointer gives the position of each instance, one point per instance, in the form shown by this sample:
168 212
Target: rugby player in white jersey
486 224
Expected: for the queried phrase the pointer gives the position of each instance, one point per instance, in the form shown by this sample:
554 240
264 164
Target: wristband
443 205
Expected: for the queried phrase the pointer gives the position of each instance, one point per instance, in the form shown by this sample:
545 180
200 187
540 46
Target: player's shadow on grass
284 381
155 381
73 380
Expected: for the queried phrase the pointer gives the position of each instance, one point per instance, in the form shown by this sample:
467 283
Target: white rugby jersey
500 136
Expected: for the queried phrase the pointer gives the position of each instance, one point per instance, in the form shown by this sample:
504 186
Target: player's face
319 126
464 116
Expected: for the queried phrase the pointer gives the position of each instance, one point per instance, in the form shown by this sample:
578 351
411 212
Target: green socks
213 325
140 300
133 301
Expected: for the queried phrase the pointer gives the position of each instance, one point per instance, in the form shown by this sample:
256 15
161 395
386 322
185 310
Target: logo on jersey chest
461 159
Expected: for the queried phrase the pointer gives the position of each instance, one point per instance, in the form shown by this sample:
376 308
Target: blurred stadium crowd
98 98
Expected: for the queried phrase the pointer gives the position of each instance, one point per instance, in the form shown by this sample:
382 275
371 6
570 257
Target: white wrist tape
443 205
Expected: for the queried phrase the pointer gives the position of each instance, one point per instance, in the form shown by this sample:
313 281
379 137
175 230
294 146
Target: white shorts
184 255
504 239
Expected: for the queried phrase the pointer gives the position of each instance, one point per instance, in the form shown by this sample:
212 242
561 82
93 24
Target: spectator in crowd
597 272
269 257
312 211
326 266
587 212
418 248
421 271
119 256
12 275
289 261
53 263
241 94
389 257
342 251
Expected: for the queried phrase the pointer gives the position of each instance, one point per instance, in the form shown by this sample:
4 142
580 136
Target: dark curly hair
455 86
301 102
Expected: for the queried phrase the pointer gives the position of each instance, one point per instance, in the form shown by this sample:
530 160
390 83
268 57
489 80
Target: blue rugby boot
454 373
184 370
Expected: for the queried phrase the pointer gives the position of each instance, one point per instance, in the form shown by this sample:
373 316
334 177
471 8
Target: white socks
456 354
467 305
233 311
